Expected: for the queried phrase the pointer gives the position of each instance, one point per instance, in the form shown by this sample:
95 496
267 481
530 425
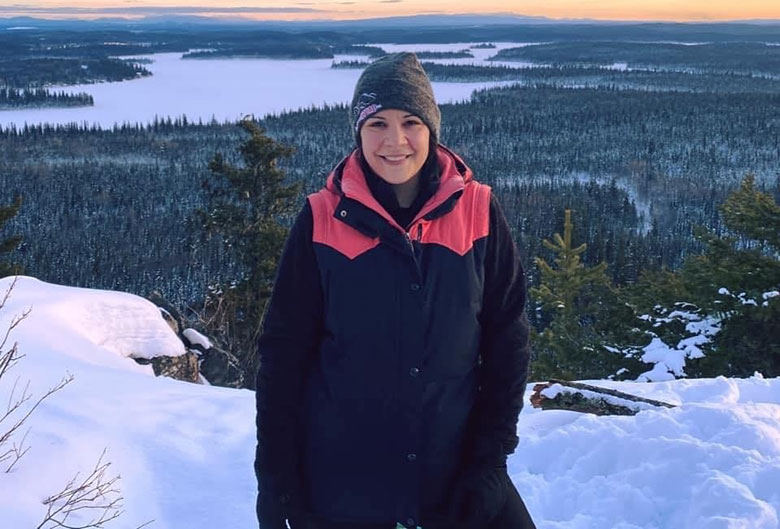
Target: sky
666 10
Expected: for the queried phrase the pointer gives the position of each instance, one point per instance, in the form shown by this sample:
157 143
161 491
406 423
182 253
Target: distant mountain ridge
397 22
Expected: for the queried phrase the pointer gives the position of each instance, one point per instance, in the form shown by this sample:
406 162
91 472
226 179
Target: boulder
183 367
168 311
218 367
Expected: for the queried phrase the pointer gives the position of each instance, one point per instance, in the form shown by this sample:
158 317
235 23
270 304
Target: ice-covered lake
227 89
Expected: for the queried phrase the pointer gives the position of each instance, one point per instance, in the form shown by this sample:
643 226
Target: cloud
150 10
390 1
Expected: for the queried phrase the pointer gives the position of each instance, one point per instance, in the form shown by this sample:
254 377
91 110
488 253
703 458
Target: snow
669 361
713 462
184 451
196 338
229 89
177 446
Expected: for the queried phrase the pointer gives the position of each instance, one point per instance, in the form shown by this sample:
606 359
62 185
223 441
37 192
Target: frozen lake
228 89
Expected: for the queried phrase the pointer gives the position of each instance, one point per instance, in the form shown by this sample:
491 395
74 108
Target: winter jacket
390 356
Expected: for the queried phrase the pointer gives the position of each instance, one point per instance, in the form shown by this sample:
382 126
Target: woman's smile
395 144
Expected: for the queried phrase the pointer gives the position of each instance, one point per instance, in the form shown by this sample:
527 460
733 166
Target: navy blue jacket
390 356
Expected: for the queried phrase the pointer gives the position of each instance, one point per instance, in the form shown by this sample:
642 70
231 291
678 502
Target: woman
394 350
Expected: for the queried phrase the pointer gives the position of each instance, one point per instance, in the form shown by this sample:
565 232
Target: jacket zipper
409 239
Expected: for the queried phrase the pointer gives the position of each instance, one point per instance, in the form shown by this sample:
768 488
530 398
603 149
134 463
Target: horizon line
199 13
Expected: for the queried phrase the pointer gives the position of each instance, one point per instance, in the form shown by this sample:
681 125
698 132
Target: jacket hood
348 180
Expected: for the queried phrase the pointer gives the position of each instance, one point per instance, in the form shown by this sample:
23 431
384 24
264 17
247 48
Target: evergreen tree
735 282
586 319
753 214
738 279
9 244
247 206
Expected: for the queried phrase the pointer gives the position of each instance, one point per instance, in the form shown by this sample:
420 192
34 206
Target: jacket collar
348 180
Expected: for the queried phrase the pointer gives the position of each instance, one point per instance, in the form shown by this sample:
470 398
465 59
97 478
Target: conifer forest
643 154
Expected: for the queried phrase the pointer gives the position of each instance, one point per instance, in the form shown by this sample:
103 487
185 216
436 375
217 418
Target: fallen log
586 398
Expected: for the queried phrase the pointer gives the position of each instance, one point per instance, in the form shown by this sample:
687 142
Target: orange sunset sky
671 10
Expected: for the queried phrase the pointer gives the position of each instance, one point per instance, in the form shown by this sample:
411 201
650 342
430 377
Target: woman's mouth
395 158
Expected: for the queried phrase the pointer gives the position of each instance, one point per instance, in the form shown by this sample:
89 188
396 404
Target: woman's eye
377 124
412 123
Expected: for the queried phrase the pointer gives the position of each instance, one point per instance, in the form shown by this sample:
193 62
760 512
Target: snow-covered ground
184 451
229 89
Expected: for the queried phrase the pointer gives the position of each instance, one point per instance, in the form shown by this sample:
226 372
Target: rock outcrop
204 360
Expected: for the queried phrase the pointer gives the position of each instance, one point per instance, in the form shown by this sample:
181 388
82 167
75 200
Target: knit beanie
395 81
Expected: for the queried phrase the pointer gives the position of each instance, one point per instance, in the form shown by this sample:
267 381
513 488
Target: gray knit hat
395 81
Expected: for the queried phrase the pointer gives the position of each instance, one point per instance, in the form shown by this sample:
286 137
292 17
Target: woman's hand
478 496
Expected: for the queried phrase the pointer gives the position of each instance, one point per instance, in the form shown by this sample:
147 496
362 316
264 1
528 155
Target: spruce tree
9 243
753 214
247 207
586 319
738 280
735 282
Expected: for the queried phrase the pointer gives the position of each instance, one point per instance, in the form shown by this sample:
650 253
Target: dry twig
96 493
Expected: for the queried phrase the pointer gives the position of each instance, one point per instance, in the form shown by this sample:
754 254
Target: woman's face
395 145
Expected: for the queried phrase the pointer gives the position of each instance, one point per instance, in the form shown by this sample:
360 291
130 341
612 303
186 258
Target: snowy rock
183 367
113 328
170 320
218 367
221 368
168 311
195 340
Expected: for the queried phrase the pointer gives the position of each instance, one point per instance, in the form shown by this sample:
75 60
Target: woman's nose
395 135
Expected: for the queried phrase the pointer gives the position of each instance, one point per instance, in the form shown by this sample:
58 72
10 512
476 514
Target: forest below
643 144
640 168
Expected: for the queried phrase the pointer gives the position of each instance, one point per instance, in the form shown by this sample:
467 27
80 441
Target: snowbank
185 451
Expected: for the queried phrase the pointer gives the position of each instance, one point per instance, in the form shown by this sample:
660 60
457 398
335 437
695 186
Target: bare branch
8 291
13 406
95 492
16 320
16 452
96 496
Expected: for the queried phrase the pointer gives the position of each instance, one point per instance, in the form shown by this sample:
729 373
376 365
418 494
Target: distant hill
414 29
408 22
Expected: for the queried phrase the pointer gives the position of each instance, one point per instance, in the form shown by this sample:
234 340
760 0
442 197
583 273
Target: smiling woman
394 352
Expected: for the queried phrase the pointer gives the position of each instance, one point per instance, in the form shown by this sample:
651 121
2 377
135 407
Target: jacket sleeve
504 348
290 336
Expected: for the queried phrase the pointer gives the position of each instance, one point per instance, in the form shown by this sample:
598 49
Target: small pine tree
9 244
584 313
747 265
753 214
246 207
734 282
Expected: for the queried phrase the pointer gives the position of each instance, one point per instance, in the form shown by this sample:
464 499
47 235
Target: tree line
745 57
639 170
585 325
11 98
36 72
